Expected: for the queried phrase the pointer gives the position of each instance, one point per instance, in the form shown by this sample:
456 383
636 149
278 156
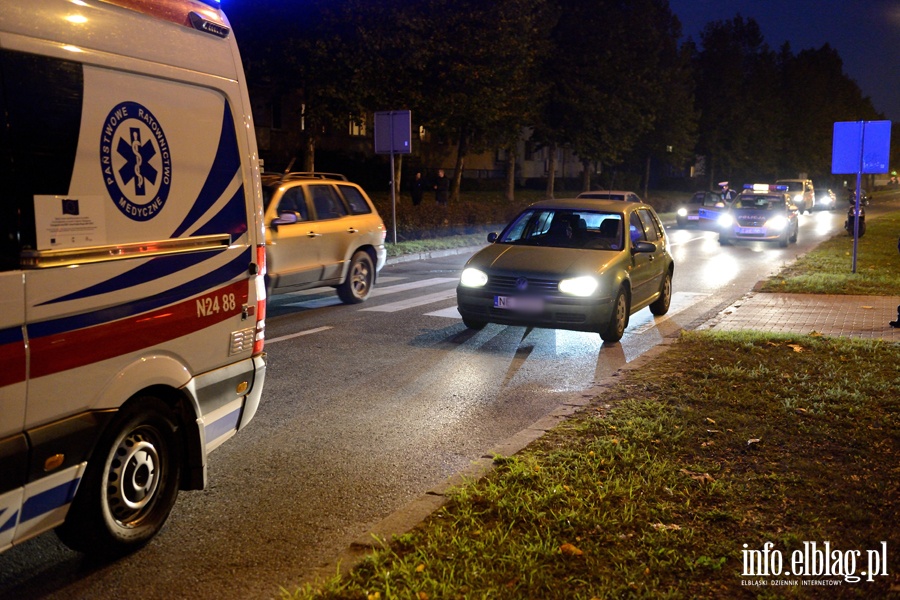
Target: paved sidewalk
832 315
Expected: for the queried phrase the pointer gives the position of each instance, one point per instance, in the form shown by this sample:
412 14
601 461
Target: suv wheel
360 278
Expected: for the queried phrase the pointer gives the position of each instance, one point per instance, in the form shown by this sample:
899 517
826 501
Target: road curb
409 516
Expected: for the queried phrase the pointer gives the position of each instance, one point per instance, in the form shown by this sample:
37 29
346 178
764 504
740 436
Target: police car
762 212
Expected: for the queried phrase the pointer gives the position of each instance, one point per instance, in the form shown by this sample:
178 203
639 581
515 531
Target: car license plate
693 218
529 304
751 230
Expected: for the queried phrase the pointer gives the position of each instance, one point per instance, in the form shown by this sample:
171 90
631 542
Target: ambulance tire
360 279
130 484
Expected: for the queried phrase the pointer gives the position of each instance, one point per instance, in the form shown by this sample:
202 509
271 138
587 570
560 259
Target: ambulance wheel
618 321
130 484
360 278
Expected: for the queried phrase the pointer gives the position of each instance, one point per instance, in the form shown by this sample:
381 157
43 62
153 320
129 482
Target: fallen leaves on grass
570 550
698 476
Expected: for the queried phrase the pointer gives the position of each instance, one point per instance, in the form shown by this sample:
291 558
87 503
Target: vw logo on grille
521 284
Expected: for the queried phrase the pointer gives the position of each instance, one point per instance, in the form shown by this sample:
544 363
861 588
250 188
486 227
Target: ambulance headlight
777 223
473 278
725 220
579 286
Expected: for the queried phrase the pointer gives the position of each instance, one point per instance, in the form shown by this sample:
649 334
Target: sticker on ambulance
69 221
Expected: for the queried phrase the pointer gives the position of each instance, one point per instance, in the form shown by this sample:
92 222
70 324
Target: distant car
620 195
577 264
321 230
703 209
802 191
826 199
762 212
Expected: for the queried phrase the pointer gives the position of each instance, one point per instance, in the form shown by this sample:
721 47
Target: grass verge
662 486
827 269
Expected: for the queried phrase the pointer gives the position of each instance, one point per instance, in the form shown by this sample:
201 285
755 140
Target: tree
606 74
739 101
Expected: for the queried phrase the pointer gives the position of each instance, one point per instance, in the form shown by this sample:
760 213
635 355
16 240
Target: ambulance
132 263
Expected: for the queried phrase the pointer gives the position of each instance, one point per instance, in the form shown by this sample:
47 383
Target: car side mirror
638 247
492 237
285 218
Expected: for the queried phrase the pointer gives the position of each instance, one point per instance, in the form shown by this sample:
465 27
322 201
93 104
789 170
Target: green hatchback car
580 264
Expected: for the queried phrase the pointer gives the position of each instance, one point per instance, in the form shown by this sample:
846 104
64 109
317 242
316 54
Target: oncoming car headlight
682 212
726 220
777 223
579 286
473 278
798 198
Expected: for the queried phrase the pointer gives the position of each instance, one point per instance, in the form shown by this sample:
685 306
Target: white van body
132 257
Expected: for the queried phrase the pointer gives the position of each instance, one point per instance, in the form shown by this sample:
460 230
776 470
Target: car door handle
313 234
352 230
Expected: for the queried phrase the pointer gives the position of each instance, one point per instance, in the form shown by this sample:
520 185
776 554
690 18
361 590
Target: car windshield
767 202
569 228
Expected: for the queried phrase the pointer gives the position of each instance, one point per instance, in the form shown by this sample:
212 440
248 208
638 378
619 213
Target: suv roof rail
312 175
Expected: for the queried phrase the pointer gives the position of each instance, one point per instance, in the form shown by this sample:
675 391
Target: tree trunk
551 171
462 149
646 179
309 158
398 173
585 176
511 174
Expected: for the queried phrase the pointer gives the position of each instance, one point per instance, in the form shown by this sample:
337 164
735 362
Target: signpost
860 147
393 135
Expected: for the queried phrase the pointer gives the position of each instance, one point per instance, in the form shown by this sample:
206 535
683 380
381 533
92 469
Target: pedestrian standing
417 189
442 189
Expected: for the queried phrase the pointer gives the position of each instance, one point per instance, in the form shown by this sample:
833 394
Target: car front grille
507 283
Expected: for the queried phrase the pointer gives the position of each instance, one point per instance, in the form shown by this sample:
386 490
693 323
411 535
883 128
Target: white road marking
414 302
680 301
294 335
413 285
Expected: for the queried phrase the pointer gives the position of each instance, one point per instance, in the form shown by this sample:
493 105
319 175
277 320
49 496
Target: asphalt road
365 408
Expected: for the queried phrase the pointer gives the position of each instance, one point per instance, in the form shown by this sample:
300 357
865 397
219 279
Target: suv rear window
358 204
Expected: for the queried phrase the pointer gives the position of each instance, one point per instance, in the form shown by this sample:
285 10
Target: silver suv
321 230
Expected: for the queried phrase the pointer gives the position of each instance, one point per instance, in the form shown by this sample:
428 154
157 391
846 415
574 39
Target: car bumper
555 312
759 236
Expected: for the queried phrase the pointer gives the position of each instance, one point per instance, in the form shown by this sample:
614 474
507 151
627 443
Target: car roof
580 203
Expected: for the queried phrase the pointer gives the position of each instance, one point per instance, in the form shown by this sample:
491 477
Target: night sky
865 33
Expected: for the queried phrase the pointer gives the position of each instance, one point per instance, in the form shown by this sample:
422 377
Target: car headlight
798 198
682 212
726 220
473 278
579 286
777 223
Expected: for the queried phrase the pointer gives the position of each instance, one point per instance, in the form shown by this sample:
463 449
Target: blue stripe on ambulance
10 522
223 425
220 276
222 171
49 500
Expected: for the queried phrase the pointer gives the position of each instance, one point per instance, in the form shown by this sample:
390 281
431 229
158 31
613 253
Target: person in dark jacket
417 189
442 188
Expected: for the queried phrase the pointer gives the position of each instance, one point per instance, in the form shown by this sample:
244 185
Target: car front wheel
618 321
360 278
130 484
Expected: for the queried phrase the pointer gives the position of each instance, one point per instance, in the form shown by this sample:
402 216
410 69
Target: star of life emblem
135 161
